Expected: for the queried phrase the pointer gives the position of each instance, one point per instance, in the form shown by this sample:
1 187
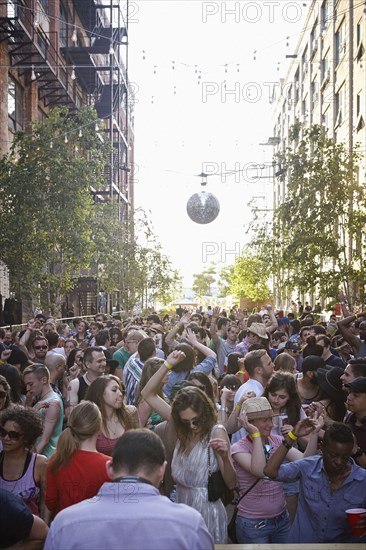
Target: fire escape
100 61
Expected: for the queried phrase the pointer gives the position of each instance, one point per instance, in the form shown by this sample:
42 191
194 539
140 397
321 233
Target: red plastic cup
353 517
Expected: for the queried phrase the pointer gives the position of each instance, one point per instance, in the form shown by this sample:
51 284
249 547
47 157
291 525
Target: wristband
287 445
167 366
292 436
256 434
238 407
240 372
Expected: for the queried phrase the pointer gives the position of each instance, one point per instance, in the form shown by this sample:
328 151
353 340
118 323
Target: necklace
113 421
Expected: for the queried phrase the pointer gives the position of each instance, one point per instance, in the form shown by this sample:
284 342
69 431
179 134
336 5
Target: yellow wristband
167 366
256 434
2 362
240 372
238 407
292 436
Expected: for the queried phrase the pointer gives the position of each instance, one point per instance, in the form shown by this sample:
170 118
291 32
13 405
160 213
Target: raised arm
213 327
255 461
274 324
149 392
344 328
192 339
221 445
170 337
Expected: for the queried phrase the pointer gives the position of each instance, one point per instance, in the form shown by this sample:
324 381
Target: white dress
190 473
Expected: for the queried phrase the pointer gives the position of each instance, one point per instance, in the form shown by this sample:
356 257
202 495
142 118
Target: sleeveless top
83 386
52 443
25 486
105 445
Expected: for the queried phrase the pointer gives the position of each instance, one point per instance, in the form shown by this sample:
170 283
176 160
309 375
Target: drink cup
353 517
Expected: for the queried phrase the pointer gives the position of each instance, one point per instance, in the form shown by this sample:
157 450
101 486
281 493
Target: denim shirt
321 515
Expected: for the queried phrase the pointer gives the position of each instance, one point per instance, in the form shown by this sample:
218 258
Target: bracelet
256 434
292 436
238 407
167 366
287 445
240 372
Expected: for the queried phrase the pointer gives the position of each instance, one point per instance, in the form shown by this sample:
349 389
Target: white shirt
250 385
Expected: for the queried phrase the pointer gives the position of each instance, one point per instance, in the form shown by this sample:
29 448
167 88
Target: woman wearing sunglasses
262 513
23 472
107 392
194 419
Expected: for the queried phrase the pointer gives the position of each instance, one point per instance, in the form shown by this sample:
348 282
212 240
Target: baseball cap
358 385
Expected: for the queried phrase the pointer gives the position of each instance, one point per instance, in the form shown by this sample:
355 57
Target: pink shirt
266 499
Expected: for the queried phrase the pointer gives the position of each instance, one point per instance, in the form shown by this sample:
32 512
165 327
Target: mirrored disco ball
203 207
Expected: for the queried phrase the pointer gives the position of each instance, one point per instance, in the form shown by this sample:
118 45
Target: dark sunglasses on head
194 422
3 394
11 435
40 347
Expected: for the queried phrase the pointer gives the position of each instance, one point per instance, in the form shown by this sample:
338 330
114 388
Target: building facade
326 81
69 53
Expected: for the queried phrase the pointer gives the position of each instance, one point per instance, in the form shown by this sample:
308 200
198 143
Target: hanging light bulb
226 69
255 55
33 74
76 148
173 66
96 126
51 144
143 54
111 49
36 20
278 66
238 68
74 36
66 140
73 75
80 133
155 69
287 41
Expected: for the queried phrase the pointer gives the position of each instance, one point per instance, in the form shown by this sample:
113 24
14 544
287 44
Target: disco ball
203 207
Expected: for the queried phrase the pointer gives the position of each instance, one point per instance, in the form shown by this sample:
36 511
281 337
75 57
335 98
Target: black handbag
216 485
231 528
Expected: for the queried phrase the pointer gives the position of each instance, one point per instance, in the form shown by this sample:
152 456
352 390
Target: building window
340 44
340 103
325 14
15 105
304 62
63 26
44 4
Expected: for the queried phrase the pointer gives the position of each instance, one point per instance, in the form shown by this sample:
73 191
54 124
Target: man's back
128 515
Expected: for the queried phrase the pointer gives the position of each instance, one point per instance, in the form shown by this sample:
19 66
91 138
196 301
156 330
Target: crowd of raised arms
183 431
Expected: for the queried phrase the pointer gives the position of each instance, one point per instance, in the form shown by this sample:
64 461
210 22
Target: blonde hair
85 420
284 363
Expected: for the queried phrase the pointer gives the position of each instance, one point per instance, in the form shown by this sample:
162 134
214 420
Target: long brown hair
95 393
286 381
151 366
84 421
197 400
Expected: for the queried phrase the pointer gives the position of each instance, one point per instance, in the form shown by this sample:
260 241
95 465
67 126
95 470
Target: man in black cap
356 404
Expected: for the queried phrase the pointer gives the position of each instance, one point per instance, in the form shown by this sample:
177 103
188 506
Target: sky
202 75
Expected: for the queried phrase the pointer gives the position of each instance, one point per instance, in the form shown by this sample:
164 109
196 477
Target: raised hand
304 427
175 357
244 422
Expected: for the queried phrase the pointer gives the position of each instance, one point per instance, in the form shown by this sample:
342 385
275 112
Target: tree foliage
46 203
202 281
249 277
317 230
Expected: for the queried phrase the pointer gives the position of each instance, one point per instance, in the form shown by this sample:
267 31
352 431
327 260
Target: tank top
105 445
25 486
83 386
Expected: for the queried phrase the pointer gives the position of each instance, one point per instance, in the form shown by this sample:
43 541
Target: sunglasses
195 422
40 347
232 387
11 435
3 394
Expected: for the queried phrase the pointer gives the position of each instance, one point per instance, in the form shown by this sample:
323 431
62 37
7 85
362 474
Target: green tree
47 208
249 277
317 231
202 281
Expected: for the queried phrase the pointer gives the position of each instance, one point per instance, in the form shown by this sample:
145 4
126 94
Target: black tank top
83 386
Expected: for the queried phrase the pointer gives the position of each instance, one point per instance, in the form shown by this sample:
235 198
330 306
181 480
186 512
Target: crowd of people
151 430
